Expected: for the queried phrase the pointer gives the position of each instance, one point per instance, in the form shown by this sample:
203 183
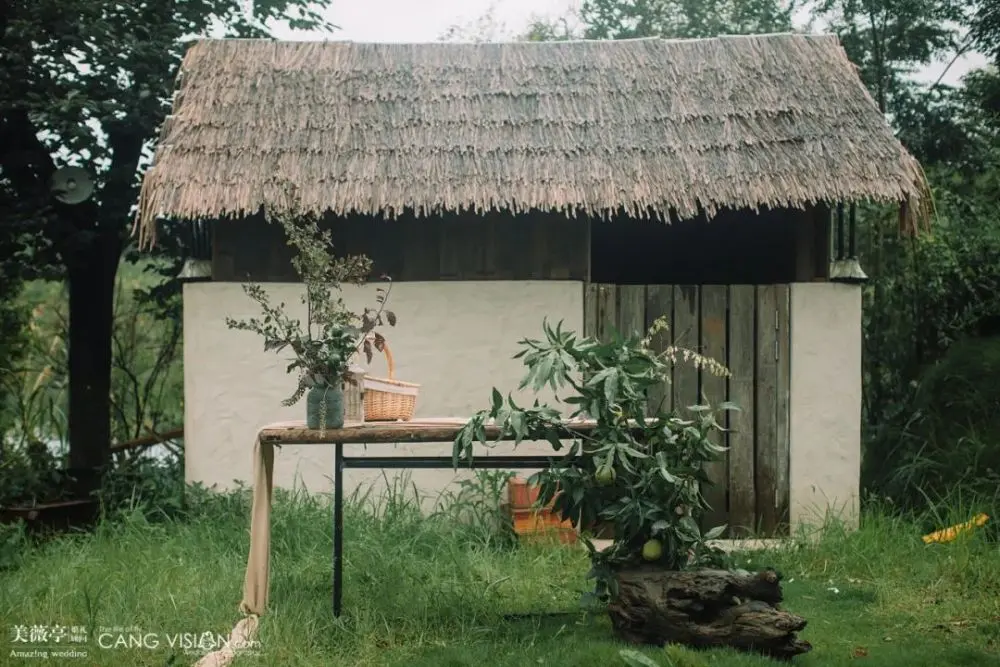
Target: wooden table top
427 429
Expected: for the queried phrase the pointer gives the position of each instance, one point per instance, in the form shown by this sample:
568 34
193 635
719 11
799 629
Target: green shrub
949 448
929 385
13 322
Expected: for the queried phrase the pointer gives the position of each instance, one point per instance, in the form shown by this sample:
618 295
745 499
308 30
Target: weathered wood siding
772 247
491 247
747 328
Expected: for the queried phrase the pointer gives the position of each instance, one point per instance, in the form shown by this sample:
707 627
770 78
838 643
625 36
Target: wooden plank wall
453 247
745 327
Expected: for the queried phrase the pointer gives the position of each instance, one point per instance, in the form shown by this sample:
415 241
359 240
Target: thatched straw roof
588 126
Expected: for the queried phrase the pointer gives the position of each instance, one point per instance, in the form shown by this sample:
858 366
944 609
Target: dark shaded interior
731 248
734 247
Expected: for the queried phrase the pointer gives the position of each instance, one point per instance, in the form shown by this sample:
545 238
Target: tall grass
452 588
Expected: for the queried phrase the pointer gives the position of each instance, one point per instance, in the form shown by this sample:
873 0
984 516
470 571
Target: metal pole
338 526
852 252
840 230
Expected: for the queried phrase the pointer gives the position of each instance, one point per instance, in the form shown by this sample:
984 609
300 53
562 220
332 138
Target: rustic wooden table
416 431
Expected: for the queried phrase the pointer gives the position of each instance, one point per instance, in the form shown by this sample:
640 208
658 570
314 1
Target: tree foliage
889 39
92 81
625 19
928 293
88 82
986 27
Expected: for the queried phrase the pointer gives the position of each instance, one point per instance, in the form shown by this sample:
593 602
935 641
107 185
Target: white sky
428 20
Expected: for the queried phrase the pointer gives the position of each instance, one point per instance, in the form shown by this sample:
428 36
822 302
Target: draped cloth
256 580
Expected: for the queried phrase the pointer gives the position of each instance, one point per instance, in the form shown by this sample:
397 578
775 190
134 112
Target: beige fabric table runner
255 582
257 579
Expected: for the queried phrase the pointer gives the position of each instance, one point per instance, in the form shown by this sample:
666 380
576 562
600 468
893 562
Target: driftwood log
706 608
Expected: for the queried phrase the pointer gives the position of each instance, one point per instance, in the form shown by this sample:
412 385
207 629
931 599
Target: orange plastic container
521 495
535 523
542 524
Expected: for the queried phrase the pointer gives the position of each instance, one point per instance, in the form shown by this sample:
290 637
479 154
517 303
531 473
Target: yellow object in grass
949 534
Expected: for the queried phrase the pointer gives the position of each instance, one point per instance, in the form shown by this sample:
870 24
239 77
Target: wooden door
746 328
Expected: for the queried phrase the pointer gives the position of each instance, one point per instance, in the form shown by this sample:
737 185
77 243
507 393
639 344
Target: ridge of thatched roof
646 125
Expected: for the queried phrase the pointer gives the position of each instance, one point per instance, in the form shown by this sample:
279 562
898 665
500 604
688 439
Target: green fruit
652 550
605 476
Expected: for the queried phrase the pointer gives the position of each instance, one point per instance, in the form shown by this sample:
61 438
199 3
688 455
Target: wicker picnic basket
389 399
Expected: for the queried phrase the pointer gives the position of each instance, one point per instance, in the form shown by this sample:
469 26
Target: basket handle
390 363
388 359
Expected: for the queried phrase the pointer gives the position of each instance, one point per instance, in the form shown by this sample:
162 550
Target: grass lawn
436 592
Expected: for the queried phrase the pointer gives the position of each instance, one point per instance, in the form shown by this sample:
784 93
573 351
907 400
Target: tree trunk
91 279
706 608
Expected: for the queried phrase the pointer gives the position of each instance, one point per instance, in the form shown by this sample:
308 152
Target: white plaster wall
825 420
454 338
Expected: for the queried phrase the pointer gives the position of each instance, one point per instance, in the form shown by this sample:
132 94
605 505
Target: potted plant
332 335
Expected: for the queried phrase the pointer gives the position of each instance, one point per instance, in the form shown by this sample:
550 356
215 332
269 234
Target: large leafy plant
332 334
641 468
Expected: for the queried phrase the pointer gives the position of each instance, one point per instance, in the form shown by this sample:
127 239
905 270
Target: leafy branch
640 469
332 334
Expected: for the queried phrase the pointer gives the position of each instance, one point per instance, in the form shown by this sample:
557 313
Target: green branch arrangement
332 334
640 469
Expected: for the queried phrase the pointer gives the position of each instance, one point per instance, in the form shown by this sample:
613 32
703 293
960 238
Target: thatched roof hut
643 127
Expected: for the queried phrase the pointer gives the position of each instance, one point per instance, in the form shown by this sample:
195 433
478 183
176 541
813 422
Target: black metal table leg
338 526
